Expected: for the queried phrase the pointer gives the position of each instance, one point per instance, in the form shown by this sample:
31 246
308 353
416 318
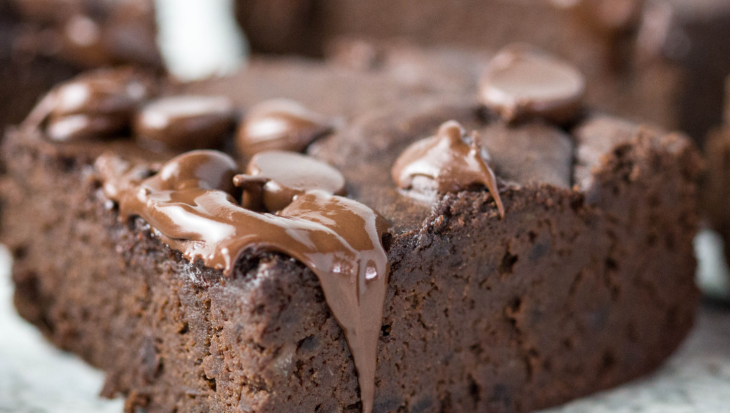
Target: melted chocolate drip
280 124
189 203
522 82
445 163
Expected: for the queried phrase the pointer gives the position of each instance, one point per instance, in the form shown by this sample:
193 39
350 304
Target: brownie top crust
403 151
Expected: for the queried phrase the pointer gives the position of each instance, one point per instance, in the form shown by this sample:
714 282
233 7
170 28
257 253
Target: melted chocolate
184 122
190 205
274 178
521 82
445 163
280 124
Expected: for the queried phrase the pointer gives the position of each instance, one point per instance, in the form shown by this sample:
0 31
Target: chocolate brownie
539 259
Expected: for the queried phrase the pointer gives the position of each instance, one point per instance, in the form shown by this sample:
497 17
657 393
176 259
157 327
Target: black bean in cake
544 256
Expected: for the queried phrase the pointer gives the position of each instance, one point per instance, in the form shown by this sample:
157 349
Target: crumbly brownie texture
587 281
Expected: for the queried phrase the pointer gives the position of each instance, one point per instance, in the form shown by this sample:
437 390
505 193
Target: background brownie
647 96
90 33
662 59
24 76
586 283
45 42
716 182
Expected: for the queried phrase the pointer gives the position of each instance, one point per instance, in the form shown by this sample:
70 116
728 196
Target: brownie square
587 282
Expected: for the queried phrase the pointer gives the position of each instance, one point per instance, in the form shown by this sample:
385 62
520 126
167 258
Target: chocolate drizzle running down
280 124
190 204
445 163
523 82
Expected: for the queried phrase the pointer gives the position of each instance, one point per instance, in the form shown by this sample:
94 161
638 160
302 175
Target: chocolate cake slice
543 257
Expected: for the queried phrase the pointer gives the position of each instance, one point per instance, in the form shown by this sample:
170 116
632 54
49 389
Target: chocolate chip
523 82
77 127
102 92
95 104
280 124
274 178
185 122
445 163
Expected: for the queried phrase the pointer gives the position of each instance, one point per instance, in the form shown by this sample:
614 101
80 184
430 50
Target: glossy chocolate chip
523 82
102 92
93 105
280 124
78 127
184 122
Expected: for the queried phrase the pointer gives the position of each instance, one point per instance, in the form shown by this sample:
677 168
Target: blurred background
663 62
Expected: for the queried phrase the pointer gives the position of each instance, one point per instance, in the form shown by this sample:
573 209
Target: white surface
34 376
713 275
199 38
37 378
